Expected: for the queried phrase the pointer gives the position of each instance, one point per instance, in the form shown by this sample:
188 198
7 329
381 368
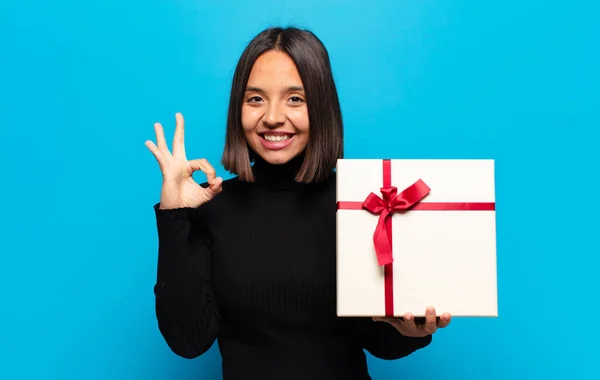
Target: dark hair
325 143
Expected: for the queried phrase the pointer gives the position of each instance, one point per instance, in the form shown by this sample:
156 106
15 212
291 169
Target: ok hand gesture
179 188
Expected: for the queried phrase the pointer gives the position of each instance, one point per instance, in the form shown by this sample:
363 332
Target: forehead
274 68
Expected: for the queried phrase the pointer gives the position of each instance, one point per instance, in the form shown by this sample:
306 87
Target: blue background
81 84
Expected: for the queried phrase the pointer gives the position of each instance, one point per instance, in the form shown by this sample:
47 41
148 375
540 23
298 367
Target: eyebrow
258 89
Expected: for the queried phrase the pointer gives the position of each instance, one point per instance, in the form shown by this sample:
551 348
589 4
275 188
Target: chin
277 158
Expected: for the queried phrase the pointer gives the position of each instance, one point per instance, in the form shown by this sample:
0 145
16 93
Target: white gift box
443 246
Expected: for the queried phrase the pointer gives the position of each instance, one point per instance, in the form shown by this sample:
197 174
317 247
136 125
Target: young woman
250 262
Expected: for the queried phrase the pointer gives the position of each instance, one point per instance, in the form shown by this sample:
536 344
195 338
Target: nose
274 115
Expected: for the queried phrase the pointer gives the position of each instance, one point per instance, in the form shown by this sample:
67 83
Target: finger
217 187
156 152
160 137
430 320
203 165
444 320
178 140
409 320
214 182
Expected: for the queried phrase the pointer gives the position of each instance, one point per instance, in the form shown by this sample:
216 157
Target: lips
276 136
275 140
276 133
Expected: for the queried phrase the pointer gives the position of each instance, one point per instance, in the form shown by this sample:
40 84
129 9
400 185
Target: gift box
413 233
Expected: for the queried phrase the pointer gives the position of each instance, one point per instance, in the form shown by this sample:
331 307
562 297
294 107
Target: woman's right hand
179 188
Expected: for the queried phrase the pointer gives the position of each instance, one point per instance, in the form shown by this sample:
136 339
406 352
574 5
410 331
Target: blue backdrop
81 84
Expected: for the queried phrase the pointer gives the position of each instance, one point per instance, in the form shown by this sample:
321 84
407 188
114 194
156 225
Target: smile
276 137
276 141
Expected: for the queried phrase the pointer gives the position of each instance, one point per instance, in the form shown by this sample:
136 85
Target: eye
254 99
296 99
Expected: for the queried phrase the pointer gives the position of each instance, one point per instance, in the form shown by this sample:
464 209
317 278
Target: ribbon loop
384 206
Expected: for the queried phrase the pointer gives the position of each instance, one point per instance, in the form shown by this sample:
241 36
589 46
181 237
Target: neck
278 176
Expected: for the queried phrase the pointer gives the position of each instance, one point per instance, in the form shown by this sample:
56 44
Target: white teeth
277 138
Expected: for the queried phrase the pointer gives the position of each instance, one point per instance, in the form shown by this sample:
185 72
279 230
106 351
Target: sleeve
383 341
186 310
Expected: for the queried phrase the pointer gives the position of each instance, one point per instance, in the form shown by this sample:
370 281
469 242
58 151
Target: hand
179 188
407 325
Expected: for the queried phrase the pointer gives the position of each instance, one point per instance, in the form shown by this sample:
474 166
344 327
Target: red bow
391 202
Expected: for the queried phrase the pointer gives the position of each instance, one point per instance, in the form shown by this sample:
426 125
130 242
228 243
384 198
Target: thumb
212 190
216 186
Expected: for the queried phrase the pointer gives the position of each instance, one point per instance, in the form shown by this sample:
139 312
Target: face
274 112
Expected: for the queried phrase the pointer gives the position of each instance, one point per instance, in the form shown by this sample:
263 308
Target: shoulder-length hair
325 143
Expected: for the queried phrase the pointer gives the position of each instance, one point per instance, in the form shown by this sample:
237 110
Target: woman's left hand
407 326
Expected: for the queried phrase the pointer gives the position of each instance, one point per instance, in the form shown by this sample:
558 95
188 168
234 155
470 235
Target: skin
274 102
178 187
408 327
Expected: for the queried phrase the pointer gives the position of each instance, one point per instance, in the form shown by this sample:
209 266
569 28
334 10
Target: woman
250 262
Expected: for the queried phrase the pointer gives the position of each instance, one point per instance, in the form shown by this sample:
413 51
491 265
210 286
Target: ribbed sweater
255 271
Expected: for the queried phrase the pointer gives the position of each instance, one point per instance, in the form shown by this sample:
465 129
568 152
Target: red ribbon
392 202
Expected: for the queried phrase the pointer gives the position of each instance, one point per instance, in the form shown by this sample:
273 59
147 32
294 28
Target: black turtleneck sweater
254 269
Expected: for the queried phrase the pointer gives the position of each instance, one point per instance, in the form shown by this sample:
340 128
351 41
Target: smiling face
274 112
